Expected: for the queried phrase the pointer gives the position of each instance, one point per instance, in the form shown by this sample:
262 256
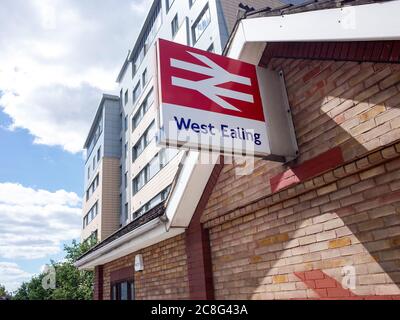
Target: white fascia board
250 52
180 209
146 235
188 190
369 22
238 42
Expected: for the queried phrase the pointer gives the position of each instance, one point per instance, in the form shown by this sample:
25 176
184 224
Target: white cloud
33 223
11 275
57 57
141 6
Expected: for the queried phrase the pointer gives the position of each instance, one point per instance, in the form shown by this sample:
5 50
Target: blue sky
57 58
37 166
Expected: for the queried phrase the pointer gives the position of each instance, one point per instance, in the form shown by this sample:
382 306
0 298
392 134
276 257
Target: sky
57 57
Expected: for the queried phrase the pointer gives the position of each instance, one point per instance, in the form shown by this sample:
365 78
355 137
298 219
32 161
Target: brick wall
98 283
164 275
287 231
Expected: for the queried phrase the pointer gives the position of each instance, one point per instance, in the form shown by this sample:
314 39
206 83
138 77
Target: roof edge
104 97
312 6
140 35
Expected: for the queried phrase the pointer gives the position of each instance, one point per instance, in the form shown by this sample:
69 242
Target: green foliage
76 250
71 283
3 292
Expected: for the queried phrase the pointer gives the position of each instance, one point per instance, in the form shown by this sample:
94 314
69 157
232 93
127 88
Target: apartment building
146 171
101 200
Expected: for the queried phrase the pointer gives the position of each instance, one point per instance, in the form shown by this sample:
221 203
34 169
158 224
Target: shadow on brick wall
347 218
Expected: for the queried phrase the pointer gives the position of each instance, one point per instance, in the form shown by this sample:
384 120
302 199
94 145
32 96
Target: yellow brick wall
334 104
263 242
164 275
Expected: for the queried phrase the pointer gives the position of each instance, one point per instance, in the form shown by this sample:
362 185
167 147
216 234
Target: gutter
92 257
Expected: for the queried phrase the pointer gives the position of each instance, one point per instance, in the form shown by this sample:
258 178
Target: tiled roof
311 5
153 213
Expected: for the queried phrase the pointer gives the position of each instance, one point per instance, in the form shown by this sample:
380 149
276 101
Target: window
166 155
90 215
152 168
137 149
126 150
148 101
133 69
126 179
95 136
144 141
126 97
156 200
139 181
144 78
94 162
136 92
150 132
137 118
154 28
144 107
120 207
92 239
169 4
126 211
98 154
126 123
124 290
153 202
174 25
88 172
191 3
92 188
211 48
201 24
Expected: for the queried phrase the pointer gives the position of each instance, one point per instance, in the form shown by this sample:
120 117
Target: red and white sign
208 100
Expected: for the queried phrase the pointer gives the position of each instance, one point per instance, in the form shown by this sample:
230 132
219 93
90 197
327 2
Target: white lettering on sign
209 87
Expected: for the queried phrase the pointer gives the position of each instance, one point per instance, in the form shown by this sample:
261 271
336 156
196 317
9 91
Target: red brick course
198 247
98 283
328 288
327 160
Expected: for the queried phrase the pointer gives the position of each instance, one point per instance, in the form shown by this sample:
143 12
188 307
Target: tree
71 283
3 293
